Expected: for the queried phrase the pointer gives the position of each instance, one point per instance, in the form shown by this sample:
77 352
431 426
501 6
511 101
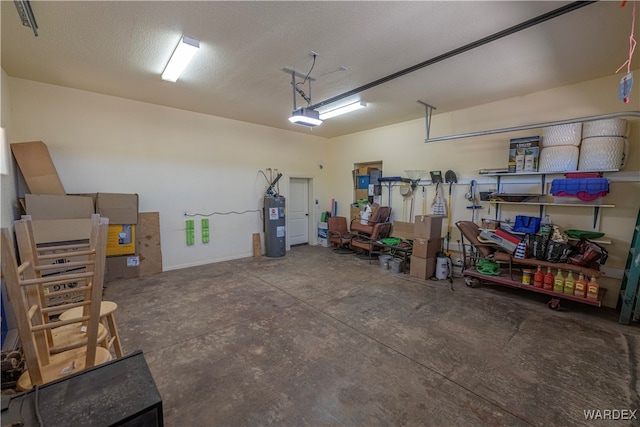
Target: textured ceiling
120 49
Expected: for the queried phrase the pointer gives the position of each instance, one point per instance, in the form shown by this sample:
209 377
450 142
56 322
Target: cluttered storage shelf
585 190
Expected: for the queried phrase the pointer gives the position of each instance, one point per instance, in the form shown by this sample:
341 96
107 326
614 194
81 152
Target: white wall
178 160
175 160
402 147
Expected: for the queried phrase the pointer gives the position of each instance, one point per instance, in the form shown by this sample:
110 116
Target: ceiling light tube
180 58
342 110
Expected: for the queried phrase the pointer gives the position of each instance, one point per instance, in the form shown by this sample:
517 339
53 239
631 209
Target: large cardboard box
122 267
402 230
120 208
60 230
422 268
47 206
37 168
428 226
121 239
423 248
60 262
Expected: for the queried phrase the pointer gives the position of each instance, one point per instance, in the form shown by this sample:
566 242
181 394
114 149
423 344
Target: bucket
384 261
395 265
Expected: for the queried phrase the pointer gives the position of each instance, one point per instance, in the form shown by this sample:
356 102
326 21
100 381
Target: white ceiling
121 48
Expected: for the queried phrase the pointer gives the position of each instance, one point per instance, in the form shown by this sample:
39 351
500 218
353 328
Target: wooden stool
106 314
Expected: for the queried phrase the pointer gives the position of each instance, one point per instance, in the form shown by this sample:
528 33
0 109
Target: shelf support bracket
428 113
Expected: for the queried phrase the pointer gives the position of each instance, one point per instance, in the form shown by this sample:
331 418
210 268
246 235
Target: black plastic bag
537 246
559 252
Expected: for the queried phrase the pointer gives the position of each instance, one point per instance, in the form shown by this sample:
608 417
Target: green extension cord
488 268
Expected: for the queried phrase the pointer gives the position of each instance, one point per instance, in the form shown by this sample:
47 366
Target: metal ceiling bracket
26 15
428 113
294 85
635 113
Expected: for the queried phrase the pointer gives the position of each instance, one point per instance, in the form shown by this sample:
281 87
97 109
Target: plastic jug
569 284
580 287
558 282
444 267
538 277
547 282
593 287
546 226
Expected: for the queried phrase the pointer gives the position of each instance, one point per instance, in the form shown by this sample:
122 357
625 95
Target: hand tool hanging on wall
472 197
451 178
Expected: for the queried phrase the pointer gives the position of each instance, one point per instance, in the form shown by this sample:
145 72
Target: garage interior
233 298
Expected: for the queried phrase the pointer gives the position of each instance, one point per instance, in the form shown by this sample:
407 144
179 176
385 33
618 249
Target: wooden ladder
630 296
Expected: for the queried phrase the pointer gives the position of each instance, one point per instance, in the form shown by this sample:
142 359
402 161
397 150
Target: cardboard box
523 154
148 243
60 230
47 206
122 267
402 230
422 268
428 226
423 248
120 208
37 168
121 239
323 234
362 193
366 170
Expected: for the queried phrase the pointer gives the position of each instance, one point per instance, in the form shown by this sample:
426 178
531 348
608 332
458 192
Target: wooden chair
26 292
75 252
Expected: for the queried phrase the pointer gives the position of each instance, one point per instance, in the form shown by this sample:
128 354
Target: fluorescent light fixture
342 110
180 58
305 117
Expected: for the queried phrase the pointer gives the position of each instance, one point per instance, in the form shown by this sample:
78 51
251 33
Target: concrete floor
321 339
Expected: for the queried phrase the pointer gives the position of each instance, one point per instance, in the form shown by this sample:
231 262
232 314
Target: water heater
274 226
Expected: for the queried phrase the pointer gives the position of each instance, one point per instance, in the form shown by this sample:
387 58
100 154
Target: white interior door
298 211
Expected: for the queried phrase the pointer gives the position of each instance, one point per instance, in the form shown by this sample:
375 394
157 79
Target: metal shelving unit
542 205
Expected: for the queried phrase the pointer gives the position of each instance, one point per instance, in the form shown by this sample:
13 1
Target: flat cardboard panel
117 268
120 208
402 230
423 248
428 226
61 230
354 214
47 206
121 239
148 243
422 268
37 168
